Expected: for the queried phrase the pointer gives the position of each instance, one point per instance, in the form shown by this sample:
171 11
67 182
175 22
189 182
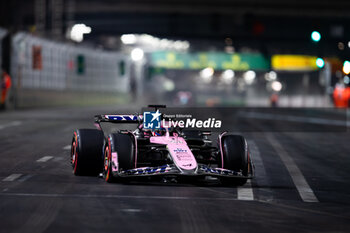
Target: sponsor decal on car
115 162
219 171
182 154
122 117
148 170
187 165
179 150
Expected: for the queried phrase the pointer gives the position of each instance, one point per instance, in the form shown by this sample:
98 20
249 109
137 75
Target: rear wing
123 118
119 118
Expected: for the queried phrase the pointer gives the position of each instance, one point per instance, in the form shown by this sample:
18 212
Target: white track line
261 178
245 193
305 192
12 123
12 177
57 159
25 178
44 159
256 157
66 147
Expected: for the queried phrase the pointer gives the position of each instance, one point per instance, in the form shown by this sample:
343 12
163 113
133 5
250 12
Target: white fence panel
60 64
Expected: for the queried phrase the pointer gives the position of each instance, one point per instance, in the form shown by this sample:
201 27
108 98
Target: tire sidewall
87 145
124 145
234 153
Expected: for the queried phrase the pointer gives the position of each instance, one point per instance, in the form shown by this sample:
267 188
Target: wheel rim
74 156
107 164
73 150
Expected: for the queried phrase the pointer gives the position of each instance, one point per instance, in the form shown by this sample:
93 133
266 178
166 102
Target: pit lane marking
11 124
12 177
305 192
245 193
44 159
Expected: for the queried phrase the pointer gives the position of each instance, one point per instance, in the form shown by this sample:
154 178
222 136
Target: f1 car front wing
171 169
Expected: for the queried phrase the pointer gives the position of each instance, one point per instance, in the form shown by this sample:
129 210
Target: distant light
78 31
346 67
320 63
316 36
346 80
137 54
128 39
271 76
249 77
227 76
276 86
178 45
349 44
169 85
164 43
148 39
229 49
185 45
207 74
154 43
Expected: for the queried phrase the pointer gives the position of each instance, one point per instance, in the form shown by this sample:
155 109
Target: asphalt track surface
302 184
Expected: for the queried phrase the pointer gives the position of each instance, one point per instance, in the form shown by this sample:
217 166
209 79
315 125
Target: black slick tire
235 158
86 149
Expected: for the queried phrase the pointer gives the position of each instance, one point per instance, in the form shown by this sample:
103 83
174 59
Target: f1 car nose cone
182 156
179 151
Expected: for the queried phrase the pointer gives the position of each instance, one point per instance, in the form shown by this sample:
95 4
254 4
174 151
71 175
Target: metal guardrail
38 63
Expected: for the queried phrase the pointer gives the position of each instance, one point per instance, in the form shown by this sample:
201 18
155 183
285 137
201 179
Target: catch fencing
38 63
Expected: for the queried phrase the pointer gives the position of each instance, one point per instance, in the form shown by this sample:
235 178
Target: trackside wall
47 73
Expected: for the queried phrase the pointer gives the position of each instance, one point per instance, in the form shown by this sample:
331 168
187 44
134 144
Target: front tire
107 166
86 152
234 156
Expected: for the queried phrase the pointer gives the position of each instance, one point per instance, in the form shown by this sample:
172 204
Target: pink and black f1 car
164 152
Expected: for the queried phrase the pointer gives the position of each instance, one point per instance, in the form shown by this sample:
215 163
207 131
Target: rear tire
123 145
235 158
86 152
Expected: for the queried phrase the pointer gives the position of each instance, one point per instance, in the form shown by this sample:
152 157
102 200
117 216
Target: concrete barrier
37 98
